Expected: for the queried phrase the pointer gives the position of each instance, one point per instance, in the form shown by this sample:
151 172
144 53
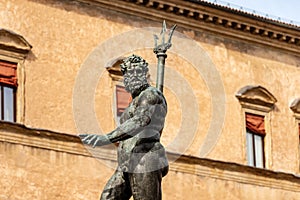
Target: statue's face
135 77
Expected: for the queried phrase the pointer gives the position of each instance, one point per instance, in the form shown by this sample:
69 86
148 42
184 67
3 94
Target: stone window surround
14 48
114 72
257 100
255 140
295 107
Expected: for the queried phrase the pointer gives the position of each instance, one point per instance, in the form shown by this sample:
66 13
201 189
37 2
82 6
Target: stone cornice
13 44
17 134
256 97
295 107
114 70
205 16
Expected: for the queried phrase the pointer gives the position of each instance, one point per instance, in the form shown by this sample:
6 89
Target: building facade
231 83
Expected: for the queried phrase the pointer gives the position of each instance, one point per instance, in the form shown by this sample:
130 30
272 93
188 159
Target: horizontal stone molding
17 134
236 172
199 15
20 134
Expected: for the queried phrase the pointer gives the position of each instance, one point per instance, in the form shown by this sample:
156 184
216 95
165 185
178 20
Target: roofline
210 17
247 14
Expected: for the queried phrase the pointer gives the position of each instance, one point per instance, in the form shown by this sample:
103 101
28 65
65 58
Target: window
13 51
123 99
257 103
295 107
255 133
299 143
8 87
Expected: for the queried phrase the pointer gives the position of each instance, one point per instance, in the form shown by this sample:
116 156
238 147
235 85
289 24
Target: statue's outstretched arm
142 117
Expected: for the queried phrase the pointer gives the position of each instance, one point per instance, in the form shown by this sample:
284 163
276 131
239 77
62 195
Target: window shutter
8 73
255 123
123 99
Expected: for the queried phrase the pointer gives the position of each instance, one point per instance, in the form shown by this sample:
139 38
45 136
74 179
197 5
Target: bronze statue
142 160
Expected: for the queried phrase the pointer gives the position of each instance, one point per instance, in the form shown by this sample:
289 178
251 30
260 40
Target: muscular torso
148 108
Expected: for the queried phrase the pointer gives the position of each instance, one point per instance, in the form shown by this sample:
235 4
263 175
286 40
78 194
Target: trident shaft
160 51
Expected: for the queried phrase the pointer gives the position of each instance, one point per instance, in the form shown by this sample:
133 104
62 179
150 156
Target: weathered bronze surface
160 51
142 160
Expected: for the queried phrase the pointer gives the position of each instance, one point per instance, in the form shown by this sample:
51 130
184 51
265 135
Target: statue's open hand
93 139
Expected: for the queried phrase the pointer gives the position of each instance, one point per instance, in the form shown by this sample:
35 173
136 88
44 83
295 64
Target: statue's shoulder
152 91
151 95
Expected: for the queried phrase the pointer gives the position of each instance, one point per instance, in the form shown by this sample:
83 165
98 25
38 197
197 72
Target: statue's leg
146 186
117 188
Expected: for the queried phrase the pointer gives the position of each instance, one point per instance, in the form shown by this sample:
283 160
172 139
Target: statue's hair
133 59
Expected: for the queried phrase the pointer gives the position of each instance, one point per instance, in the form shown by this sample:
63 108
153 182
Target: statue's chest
130 110
132 107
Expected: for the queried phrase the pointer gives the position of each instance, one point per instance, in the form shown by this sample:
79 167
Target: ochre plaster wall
64 34
29 172
33 173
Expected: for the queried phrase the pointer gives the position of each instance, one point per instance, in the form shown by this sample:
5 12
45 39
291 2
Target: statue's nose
136 73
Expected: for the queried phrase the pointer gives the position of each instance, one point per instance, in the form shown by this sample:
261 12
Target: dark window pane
255 149
122 99
1 106
250 150
8 104
259 152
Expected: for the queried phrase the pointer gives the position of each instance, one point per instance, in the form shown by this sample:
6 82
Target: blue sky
285 9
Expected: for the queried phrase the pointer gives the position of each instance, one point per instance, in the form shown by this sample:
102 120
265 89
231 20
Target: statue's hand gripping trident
160 51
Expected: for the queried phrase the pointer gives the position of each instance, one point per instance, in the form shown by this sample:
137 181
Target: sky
287 10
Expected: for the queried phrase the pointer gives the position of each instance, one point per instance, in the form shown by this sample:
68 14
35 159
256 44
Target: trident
160 51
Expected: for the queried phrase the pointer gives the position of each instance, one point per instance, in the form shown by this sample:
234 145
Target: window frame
298 123
117 117
254 145
19 97
295 107
266 138
2 102
16 52
257 100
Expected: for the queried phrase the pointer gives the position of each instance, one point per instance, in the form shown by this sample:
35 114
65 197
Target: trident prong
163 47
155 40
163 31
160 51
171 33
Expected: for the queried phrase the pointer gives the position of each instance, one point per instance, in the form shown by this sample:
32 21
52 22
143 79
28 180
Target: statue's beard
135 85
